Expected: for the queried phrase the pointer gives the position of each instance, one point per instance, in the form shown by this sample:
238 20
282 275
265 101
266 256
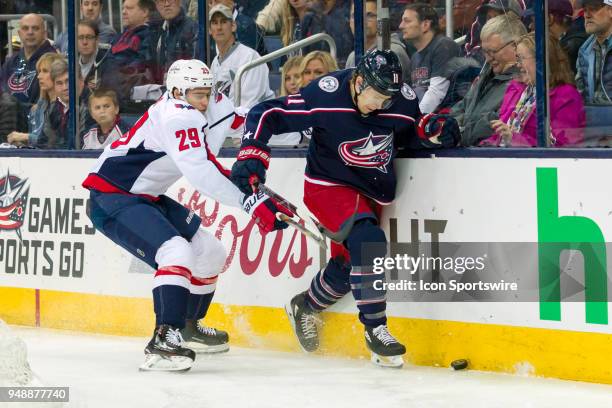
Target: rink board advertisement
57 271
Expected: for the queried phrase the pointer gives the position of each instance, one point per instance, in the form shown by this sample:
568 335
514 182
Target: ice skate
304 322
203 339
165 351
386 350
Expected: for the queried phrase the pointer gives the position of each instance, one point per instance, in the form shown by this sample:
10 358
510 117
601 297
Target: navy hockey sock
170 305
366 242
198 305
329 285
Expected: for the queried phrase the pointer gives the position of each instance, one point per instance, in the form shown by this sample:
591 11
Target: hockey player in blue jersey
358 118
177 136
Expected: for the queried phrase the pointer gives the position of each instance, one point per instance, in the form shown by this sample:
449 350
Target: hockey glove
263 210
251 164
437 131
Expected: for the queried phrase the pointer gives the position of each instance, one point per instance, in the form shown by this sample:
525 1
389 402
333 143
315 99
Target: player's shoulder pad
407 92
326 89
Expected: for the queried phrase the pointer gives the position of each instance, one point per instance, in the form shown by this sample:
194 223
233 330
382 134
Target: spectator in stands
292 75
8 116
231 55
594 78
563 26
130 62
290 85
91 54
292 15
38 118
517 116
335 17
104 109
464 14
420 26
90 10
316 64
247 32
58 136
481 104
370 38
176 37
487 10
18 75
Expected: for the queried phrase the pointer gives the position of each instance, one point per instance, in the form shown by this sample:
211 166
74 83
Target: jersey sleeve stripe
295 112
398 116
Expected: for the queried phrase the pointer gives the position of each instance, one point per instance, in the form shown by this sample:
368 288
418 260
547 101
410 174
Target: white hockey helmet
188 74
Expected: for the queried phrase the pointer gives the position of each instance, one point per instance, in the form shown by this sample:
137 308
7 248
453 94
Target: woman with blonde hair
39 113
517 116
292 15
291 76
316 64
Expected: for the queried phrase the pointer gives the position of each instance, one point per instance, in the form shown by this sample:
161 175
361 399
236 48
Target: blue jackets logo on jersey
373 151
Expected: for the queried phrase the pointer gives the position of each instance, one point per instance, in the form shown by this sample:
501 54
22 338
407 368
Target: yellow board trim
543 352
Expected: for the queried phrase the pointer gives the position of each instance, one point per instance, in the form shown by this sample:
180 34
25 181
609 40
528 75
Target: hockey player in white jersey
177 136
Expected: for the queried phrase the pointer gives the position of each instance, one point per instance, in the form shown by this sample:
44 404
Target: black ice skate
165 351
203 339
386 350
304 322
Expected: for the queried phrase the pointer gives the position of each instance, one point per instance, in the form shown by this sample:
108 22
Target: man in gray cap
594 65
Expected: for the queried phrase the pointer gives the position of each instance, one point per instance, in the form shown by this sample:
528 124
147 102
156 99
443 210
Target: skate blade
387 361
200 348
155 362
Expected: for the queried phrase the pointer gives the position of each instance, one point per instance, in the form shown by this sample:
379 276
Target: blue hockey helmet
382 70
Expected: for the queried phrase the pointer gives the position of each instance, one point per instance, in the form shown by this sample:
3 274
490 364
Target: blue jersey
346 148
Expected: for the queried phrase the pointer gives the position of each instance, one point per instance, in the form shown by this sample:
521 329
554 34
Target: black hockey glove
251 165
437 131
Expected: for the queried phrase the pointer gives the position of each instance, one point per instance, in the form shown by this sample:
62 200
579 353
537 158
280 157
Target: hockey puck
460 364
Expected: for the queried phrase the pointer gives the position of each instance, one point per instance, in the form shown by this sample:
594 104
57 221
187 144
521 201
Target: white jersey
172 139
255 84
95 139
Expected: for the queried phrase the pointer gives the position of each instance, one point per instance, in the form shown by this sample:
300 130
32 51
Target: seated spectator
594 64
231 55
292 75
176 37
247 32
8 116
91 54
516 125
270 18
334 14
292 15
316 64
130 62
464 14
420 26
38 118
370 37
481 104
90 10
562 26
290 85
58 136
104 109
18 75
486 11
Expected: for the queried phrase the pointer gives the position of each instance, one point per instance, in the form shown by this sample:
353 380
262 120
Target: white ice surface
102 371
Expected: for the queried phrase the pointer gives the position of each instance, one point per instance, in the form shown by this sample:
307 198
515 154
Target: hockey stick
319 239
339 236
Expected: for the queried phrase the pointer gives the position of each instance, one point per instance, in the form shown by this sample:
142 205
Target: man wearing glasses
594 78
482 102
